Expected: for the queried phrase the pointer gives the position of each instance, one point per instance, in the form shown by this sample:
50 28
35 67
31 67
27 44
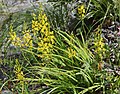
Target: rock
6 92
8 2
12 6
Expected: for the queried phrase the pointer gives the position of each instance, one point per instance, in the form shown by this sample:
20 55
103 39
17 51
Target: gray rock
12 6
6 92
8 2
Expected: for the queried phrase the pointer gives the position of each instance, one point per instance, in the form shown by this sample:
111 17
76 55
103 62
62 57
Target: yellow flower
47 25
12 35
40 26
99 43
50 45
45 39
44 17
44 29
81 11
35 25
82 7
14 39
52 38
41 43
51 33
43 22
20 75
71 52
82 15
27 39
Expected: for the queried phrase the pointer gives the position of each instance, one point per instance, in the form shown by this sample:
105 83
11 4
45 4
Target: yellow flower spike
81 10
46 39
104 50
18 72
95 43
99 45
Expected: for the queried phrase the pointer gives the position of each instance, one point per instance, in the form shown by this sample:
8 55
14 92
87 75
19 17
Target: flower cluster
25 41
18 71
99 46
45 38
13 37
81 11
15 40
40 23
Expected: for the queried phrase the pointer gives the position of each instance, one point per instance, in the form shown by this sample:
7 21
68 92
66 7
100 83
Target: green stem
106 14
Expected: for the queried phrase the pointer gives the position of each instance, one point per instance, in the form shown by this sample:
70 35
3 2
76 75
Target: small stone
6 92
